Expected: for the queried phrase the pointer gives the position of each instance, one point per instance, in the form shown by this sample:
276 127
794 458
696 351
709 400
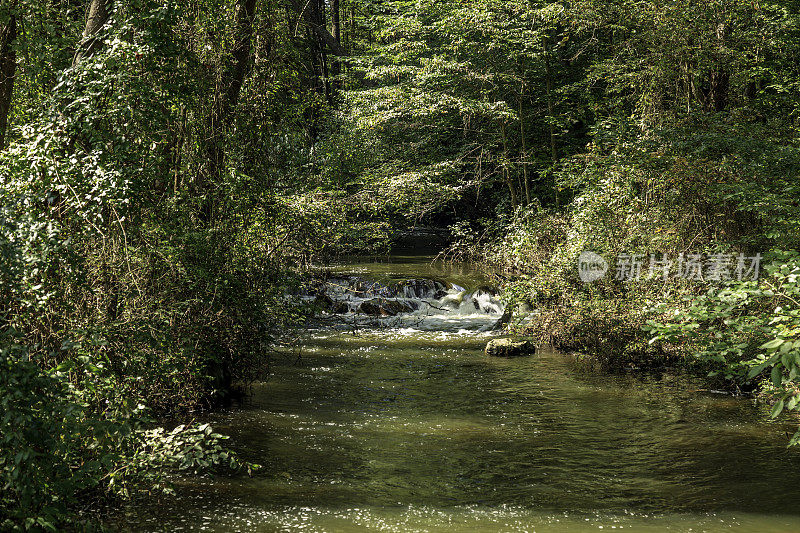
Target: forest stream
401 423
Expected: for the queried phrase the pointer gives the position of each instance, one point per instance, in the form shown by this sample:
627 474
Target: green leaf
772 345
776 409
756 370
777 375
792 403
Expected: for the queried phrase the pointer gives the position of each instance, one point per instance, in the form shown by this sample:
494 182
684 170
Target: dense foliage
168 167
690 146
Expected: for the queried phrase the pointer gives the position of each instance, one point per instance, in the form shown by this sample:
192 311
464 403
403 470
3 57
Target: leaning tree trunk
240 55
8 70
550 115
337 35
306 11
99 13
524 146
320 50
226 97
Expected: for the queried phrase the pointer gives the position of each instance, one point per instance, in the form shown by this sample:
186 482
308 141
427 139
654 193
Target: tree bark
336 68
504 169
550 117
307 15
549 93
335 20
226 97
8 71
524 145
240 54
719 80
320 49
713 92
717 96
99 13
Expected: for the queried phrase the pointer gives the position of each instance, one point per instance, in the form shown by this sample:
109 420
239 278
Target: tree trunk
716 84
240 55
8 70
719 80
717 93
229 88
337 35
99 13
351 33
335 20
549 92
524 153
320 20
506 174
308 15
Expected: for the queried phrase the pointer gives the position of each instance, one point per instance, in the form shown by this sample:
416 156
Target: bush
71 435
744 331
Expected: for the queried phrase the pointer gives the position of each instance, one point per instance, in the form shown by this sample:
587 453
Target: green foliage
692 145
116 308
72 431
148 234
451 91
744 330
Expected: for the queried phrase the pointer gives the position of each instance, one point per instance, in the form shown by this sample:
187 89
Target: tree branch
329 40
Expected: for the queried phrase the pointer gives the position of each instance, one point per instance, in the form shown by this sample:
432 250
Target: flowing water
397 421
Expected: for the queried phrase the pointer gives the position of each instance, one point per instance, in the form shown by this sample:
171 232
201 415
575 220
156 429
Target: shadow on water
416 430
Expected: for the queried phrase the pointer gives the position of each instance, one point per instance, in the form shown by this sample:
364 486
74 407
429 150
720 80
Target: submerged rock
326 303
510 348
421 288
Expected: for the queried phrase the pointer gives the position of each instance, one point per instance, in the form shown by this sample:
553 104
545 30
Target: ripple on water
409 427
413 519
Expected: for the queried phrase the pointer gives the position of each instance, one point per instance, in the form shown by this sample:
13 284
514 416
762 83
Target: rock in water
326 303
505 319
510 348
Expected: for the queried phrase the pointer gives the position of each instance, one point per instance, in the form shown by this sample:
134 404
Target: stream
398 422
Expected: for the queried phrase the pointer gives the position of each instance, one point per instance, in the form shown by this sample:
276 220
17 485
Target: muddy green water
409 427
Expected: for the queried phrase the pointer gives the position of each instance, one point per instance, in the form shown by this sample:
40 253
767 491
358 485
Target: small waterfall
426 303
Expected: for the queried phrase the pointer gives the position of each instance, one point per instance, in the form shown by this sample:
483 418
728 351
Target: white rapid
420 303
